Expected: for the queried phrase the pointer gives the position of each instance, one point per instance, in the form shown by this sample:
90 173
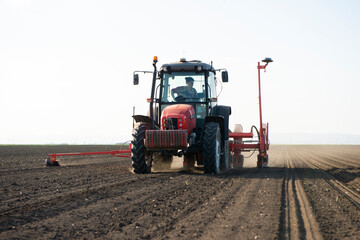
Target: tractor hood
178 116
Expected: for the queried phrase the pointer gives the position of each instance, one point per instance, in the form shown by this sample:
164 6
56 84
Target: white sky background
66 66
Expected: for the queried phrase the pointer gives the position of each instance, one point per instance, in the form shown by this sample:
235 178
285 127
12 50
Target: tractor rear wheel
141 162
212 147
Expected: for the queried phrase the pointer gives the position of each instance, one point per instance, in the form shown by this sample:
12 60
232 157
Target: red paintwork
185 114
240 146
240 135
263 136
237 144
120 153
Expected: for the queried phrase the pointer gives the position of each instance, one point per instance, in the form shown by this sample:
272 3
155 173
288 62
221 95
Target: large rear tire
212 148
141 162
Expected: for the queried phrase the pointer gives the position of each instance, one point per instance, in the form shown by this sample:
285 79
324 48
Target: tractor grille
170 123
166 139
174 122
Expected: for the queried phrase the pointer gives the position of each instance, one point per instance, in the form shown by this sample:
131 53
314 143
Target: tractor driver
185 91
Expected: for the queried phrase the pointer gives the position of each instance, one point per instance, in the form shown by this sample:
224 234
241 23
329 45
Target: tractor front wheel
141 162
212 147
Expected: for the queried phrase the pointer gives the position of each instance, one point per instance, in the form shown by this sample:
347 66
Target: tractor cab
191 85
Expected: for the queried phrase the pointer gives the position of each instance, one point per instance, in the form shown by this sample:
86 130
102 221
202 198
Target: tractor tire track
336 211
297 219
340 154
351 195
334 162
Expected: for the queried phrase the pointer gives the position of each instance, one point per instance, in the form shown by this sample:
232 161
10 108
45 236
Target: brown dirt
308 192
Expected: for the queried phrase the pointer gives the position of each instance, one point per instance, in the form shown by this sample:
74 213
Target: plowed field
308 192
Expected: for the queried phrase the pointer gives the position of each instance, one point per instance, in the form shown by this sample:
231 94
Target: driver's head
189 81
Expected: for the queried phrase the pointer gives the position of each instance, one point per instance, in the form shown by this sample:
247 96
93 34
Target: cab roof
186 66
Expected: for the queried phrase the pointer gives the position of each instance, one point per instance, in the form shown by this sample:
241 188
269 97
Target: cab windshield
183 87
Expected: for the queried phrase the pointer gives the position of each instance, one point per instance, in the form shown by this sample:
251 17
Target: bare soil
308 192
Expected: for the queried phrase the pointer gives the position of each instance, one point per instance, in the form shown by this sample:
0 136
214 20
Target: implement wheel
212 147
262 162
238 160
259 161
141 162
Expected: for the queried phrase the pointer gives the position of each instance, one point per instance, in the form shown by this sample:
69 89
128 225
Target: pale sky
66 66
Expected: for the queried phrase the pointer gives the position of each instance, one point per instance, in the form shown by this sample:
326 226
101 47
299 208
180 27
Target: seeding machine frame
235 146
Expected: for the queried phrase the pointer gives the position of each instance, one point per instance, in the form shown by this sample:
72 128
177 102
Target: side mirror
224 76
136 79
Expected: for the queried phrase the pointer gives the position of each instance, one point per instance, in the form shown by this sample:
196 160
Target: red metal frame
116 153
262 147
238 145
241 135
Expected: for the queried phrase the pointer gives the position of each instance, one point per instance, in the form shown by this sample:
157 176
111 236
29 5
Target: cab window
176 84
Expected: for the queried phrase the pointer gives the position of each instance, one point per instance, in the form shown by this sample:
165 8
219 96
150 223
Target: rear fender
142 118
224 111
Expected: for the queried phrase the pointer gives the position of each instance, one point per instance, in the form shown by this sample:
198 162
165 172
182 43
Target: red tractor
184 120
